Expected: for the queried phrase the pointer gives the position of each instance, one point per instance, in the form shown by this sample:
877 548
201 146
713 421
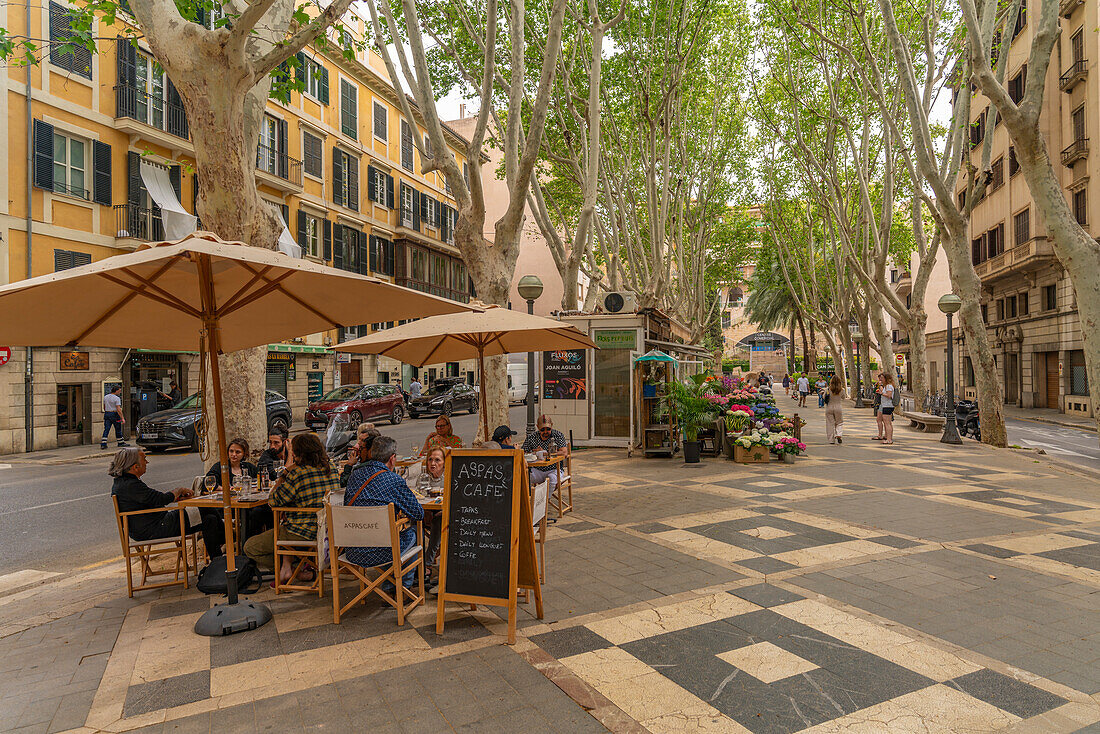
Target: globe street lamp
949 303
856 337
530 288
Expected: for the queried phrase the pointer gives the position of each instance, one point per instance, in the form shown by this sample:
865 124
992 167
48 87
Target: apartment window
150 92
1077 45
381 255
269 144
1010 307
212 17
962 200
1013 164
75 59
345 179
466 173
345 248
310 227
995 241
406 146
313 161
1080 206
65 259
1050 297
1022 226
1000 309
349 109
1021 20
458 276
977 129
406 206
70 165
379 186
1078 375
381 122
998 170
419 265
1017 85
431 211
427 146
1077 119
1025 307
314 78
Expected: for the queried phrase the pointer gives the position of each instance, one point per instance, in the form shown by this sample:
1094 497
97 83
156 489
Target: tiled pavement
868 588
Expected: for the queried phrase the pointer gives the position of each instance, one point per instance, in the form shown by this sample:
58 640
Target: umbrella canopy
491 332
656 355
151 299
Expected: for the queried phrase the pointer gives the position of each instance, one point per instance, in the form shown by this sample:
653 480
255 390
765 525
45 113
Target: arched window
736 297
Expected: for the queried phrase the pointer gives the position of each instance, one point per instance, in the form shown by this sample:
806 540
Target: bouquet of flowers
758 438
789 445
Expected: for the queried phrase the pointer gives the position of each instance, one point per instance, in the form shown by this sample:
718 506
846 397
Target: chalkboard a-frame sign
487 548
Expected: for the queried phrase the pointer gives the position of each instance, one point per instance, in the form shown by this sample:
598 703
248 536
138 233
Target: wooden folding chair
539 502
564 485
374 527
146 550
300 552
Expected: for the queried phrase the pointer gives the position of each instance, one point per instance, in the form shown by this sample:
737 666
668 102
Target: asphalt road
59 518
1070 445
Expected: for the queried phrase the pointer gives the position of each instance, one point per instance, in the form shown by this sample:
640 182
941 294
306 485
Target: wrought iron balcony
1075 151
139 223
157 112
1075 73
435 290
279 166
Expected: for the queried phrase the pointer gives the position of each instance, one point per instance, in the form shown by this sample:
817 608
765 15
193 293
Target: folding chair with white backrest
373 527
300 552
564 471
146 550
539 502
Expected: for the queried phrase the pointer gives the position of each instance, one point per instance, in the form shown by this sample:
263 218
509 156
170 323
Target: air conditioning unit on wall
620 302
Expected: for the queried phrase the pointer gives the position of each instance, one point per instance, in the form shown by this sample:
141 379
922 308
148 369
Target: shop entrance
74 415
611 391
152 373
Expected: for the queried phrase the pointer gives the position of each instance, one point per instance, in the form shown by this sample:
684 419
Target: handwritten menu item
488 542
479 519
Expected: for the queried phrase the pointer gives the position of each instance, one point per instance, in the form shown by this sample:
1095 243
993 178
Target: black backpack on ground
212 578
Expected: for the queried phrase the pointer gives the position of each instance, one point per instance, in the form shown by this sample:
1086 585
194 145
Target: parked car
444 397
175 427
359 403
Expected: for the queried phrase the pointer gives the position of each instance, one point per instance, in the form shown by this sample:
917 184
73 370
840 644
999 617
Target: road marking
1052 449
24 578
52 504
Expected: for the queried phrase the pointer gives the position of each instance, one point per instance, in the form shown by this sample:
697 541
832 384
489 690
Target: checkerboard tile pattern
1072 552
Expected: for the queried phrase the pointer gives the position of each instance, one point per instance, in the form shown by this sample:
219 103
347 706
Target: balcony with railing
1077 72
903 282
1066 7
133 222
1075 151
1030 256
277 169
435 290
141 113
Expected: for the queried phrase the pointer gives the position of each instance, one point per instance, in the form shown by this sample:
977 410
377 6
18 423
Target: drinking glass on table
210 483
423 481
278 465
415 450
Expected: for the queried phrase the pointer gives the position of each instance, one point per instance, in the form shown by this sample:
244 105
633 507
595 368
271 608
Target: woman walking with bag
886 406
834 418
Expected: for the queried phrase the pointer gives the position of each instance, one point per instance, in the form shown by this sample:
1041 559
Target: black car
175 427
443 398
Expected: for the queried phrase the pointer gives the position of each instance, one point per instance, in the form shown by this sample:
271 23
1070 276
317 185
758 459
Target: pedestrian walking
787 383
112 416
820 387
803 386
888 395
834 418
415 388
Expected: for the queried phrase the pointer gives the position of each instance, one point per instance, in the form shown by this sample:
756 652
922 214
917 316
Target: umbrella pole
481 396
223 457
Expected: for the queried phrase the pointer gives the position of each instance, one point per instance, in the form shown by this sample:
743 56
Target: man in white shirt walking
803 389
415 388
112 416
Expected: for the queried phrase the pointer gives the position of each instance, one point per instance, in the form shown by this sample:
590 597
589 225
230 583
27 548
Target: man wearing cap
502 436
552 442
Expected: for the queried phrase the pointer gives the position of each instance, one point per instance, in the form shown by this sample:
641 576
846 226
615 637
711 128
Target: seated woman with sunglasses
443 438
548 440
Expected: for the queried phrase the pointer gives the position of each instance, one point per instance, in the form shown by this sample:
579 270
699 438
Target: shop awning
177 222
681 348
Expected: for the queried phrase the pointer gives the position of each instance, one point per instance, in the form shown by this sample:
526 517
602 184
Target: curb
1063 424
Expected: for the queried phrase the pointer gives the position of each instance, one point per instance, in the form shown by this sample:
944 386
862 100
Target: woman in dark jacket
238 467
133 494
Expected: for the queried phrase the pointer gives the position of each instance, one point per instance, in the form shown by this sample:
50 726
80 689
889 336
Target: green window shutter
353 182
338 173
43 154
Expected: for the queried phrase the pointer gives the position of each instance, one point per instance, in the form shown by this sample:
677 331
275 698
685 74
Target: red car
359 403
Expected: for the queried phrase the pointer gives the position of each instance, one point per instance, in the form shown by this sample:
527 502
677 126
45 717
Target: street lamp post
949 304
530 288
856 337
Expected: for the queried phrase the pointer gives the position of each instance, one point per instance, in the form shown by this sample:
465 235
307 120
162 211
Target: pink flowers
789 445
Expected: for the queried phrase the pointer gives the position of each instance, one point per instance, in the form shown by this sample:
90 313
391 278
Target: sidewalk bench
925 421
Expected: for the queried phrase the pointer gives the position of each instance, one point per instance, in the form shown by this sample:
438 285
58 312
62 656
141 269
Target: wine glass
415 450
210 483
278 464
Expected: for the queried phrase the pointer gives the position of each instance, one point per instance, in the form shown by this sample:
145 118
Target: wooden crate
755 455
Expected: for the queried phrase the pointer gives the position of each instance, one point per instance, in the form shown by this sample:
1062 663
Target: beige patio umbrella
477 335
205 292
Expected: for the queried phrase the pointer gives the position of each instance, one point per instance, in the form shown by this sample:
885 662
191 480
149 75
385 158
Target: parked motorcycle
339 436
968 419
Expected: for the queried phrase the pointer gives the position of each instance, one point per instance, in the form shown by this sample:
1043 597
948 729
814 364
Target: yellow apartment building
1027 296
99 152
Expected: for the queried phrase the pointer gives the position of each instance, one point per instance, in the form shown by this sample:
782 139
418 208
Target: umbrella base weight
228 619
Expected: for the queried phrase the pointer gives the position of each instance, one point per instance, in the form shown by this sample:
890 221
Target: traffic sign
899 360
5 355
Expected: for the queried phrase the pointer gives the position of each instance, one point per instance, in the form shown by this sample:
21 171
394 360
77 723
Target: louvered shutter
176 117
365 265
372 184
406 146
353 182
126 94
416 210
135 188
338 174
324 85
174 177
300 70
302 232
338 246
327 241
389 191
77 59
101 160
438 213
43 155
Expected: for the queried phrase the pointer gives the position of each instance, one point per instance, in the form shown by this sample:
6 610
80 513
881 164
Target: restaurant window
349 109
313 161
1050 297
1013 164
1080 206
65 259
70 165
70 408
1025 306
76 59
458 276
1017 85
1022 226
406 146
1010 307
381 122
1078 374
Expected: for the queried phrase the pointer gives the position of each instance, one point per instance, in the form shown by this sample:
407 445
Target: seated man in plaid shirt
373 483
548 440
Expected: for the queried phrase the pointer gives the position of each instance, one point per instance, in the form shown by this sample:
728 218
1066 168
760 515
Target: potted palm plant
693 411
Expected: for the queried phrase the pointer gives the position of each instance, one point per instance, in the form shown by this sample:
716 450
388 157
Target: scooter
339 435
968 419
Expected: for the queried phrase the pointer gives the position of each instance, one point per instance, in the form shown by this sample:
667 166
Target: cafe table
238 502
553 463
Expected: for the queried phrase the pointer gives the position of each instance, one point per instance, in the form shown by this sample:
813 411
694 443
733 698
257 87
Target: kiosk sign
5 355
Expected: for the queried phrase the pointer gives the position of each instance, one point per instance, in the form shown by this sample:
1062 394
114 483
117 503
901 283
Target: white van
517 383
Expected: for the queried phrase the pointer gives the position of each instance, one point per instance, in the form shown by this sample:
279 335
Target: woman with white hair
127 468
